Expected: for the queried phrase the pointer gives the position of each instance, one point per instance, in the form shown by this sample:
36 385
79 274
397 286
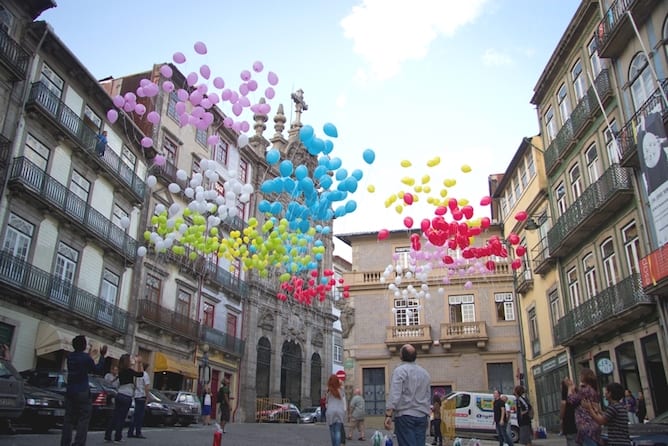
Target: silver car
188 398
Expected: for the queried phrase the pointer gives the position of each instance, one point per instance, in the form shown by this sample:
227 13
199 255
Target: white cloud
492 57
387 33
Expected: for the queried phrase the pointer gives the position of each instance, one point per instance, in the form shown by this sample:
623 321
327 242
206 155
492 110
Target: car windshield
160 396
309 410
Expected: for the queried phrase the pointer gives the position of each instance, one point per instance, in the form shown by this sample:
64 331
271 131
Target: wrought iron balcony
417 335
15 58
30 179
222 341
615 31
627 136
71 126
464 333
586 109
19 278
542 261
595 206
233 224
168 320
193 267
166 172
621 304
226 280
524 281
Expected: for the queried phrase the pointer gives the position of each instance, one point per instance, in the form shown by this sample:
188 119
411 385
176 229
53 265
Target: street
237 435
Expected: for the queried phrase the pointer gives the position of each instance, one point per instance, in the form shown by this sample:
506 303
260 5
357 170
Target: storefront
172 373
547 379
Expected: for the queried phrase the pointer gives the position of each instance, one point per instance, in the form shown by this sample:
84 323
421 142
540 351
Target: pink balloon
226 94
258 67
182 95
219 83
269 93
236 109
178 57
228 122
140 109
166 71
243 89
272 78
205 71
112 115
245 75
167 86
146 142
252 85
153 117
212 140
200 48
159 160
192 79
245 126
119 101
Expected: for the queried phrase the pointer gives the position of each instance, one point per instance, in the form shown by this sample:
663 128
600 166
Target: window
594 60
611 147
153 286
511 197
207 314
533 332
37 152
129 158
402 253
80 186
91 119
550 125
589 266
531 166
573 288
504 207
576 182
243 171
18 237
110 282
631 247
236 268
66 266
118 214
196 168
462 308
338 353
593 163
560 193
52 81
6 335
6 20
609 264
524 178
183 303
220 152
516 188
579 83
564 104
505 308
231 328
171 106
241 210
640 77
406 312
200 136
169 149
555 308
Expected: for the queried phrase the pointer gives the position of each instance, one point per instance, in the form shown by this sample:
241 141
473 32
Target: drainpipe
243 354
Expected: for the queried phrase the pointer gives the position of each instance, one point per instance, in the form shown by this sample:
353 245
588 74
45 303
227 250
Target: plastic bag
474 442
457 442
377 439
388 441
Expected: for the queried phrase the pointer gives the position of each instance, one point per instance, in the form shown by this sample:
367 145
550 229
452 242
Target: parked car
655 431
311 415
44 410
12 398
179 413
474 414
279 412
155 413
188 398
101 393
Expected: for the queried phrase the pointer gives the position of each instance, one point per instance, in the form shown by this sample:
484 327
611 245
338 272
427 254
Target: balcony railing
165 319
48 190
80 134
18 277
627 136
15 58
464 332
226 280
222 341
166 172
586 109
615 30
417 335
542 261
524 281
233 224
596 205
623 303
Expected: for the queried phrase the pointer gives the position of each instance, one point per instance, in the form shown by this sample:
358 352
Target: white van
474 414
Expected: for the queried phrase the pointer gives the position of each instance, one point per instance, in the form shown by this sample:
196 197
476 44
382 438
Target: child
615 415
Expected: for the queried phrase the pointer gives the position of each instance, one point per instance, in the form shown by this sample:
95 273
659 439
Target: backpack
529 413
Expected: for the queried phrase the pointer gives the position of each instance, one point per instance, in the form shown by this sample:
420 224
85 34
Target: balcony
416 335
597 204
524 281
233 224
585 111
615 31
166 172
193 267
162 318
627 136
13 57
606 313
224 342
542 261
26 177
22 282
69 125
464 333
226 280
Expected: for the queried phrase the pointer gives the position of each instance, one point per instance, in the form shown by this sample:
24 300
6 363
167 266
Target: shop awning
166 363
52 339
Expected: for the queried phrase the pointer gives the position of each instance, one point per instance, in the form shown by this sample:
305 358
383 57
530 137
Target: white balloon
232 211
247 188
151 181
159 208
243 140
183 228
125 222
181 175
174 188
141 251
189 192
244 198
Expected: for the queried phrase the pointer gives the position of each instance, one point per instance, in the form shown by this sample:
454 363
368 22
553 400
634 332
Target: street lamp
204 368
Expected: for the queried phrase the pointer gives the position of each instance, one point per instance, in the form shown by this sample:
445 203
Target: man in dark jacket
78 406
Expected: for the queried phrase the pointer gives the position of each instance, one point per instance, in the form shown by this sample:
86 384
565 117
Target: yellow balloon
466 168
371 188
399 209
449 182
417 189
463 201
425 179
406 163
434 161
443 193
408 181
427 189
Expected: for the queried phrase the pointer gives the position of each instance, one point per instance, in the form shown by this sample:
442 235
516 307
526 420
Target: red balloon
383 234
514 239
425 224
448 260
490 265
457 214
520 250
408 198
408 222
468 211
441 210
484 201
452 204
485 222
516 264
521 216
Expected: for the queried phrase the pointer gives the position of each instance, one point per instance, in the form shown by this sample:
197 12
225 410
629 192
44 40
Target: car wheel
170 420
185 423
515 433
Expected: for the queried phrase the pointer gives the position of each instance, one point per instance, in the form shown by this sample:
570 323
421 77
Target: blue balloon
264 206
351 205
339 211
351 184
319 171
285 168
323 161
334 163
357 174
369 156
272 156
325 181
276 207
288 185
341 174
326 230
330 130
301 172
329 146
306 133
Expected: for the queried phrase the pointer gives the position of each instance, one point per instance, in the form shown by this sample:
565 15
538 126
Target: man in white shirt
142 393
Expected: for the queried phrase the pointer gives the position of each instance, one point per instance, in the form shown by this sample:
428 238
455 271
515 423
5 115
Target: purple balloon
245 126
192 79
236 126
112 115
252 85
159 160
166 71
182 95
183 119
243 89
146 142
226 95
119 101
212 140
178 57
140 92
180 108
153 117
264 108
130 97
234 98
200 48
228 122
272 78
140 109
206 103
219 83
245 75
205 71
213 97
244 101
151 90
129 106
269 93
237 109
167 86
258 67
195 97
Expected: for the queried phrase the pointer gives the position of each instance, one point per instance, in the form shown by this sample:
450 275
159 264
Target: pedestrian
223 398
101 144
336 410
436 421
141 397
323 407
589 431
356 414
112 377
615 416
631 406
128 370
506 405
523 415
567 414
409 400
78 406
642 408
206 406
501 419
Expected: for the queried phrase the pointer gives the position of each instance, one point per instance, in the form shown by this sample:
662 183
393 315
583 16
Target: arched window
263 368
316 379
640 77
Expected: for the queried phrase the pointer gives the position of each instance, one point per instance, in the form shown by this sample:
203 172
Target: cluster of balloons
197 97
305 290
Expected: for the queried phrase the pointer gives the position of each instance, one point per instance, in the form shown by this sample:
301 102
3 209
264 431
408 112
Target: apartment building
70 214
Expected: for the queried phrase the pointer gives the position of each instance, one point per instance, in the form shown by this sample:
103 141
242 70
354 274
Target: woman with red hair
336 409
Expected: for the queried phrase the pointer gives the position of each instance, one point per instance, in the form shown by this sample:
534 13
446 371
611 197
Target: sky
411 81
